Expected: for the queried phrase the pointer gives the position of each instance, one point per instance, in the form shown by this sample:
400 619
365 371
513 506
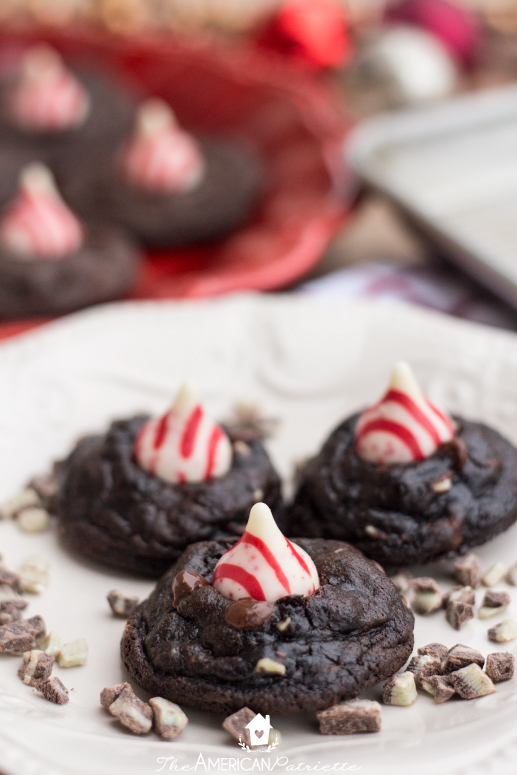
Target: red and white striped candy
184 445
47 96
161 158
38 224
264 564
404 425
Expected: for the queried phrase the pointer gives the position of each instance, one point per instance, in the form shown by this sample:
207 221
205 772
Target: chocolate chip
400 689
185 582
132 712
457 450
471 682
433 668
53 690
424 664
427 596
503 632
121 605
168 718
493 599
246 614
21 635
110 693
437 650
350 718
12 580
467 570
500 666
37 666
461 594
460 656
236 725
459 613
439 687
493 603
495 574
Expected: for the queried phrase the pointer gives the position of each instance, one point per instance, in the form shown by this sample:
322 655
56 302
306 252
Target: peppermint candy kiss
264 564
39 224
161 158
47 96
184 445
404 425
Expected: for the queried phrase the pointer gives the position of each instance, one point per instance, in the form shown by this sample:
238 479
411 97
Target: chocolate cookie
190 644
221 203
461 496
114 512
108 121
104 268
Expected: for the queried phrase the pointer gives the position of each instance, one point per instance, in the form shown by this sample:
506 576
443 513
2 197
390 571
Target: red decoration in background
454 25
288 117
313 33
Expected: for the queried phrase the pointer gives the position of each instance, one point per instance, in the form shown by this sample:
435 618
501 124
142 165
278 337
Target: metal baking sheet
452 168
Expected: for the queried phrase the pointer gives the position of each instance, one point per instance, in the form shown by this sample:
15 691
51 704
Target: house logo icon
259 728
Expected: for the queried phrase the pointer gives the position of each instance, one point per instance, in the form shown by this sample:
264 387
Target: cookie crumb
350 718
467 571
168 718
53 690
471 682
284 624
500 666
121 605
400 689
495 574
134 714
511 576
503 632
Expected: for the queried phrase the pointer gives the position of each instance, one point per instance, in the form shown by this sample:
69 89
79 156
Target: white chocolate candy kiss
184 445
47 96
264 564
161 157
404 425
39 224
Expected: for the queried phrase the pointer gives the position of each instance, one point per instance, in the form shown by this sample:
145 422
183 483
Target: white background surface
308 362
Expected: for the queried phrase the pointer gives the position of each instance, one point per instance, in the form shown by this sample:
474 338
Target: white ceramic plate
310 363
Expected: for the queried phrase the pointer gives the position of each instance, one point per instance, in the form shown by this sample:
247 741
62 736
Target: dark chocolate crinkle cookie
221 203
112 511
104 268
110 118
460 497
298 654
